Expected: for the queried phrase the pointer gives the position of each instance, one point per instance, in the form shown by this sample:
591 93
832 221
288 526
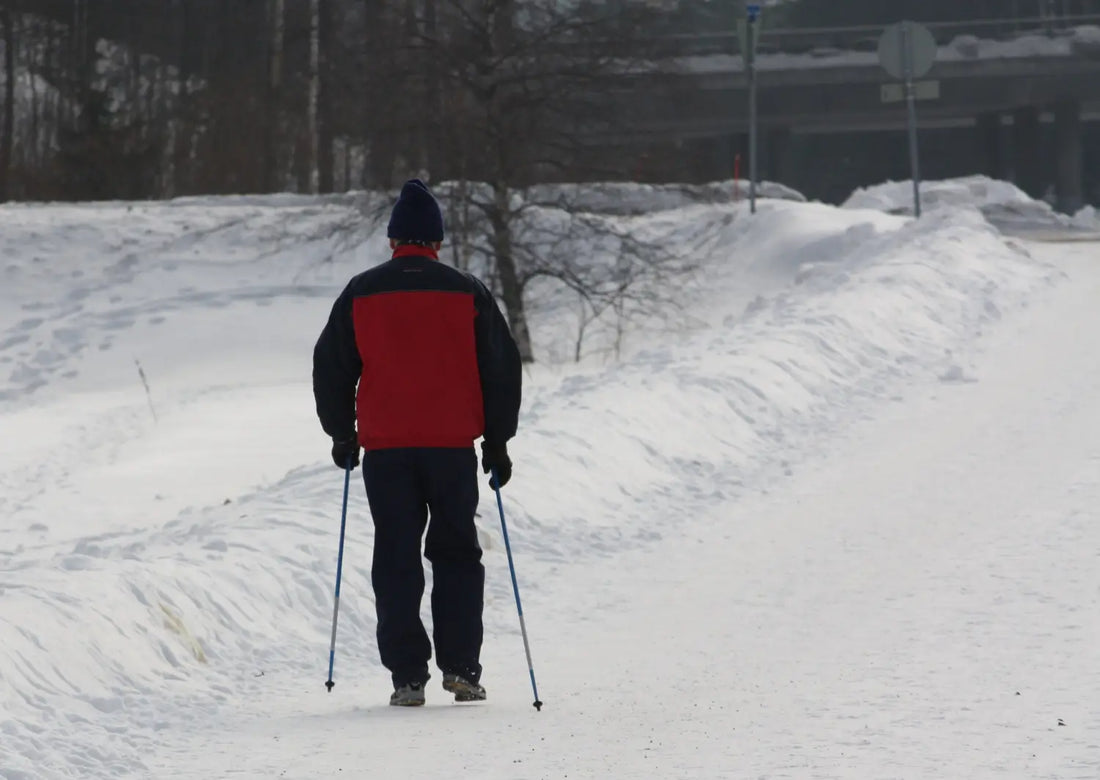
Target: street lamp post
750 31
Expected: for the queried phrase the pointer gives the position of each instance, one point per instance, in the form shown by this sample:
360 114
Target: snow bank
977 191
1088 218
1004 204
91 286
162 574
622 198
868 305
1085 41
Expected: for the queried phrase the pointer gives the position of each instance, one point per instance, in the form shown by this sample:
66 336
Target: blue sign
753 10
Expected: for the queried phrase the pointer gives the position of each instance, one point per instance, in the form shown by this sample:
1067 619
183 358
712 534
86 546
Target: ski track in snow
812 530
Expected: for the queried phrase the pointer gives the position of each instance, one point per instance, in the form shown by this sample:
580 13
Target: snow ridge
128 619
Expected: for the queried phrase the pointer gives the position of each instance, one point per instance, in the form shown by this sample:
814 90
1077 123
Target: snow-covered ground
833 516
1002 203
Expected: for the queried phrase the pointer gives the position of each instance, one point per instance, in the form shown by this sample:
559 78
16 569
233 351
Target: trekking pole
515 588
339 572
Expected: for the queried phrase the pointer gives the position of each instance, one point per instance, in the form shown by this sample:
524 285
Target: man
436 368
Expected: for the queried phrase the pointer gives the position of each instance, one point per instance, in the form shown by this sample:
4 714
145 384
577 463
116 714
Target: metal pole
515 589
339 573
910 98
1049 12
751 57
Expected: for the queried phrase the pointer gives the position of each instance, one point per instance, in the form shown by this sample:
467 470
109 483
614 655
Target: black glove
495 457
345 451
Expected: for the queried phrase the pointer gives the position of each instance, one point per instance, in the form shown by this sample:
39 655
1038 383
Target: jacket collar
413 250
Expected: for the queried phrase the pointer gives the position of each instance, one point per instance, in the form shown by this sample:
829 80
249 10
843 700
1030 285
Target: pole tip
329 685
538 705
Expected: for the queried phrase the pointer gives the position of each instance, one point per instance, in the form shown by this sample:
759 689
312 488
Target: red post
737 177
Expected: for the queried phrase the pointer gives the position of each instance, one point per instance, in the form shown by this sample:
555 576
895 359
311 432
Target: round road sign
907 43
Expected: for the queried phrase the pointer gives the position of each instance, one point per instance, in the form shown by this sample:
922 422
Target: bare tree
526 85
7 130
618 274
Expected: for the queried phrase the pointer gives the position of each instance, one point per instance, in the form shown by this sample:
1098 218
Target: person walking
415 363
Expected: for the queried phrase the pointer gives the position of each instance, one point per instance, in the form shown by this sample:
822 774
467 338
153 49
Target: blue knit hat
416 215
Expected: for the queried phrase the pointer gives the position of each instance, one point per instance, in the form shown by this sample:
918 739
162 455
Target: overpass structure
1003 79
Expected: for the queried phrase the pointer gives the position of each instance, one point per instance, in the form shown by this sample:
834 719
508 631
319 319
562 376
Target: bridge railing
865 38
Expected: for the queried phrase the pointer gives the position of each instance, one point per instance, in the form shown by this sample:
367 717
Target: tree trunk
274 96
75 58
32 160
314 95
7 141
325 162
411 160
182 135
373 150
511 291
86 60
432 154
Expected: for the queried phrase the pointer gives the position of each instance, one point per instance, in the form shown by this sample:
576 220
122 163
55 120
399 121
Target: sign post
749 32
907 51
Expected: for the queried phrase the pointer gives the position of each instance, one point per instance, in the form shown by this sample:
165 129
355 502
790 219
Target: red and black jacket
430 352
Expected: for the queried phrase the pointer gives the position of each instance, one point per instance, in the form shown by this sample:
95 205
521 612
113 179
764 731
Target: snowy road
920 599
771 544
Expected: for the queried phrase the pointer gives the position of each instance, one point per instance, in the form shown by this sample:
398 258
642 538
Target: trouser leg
452 547
399 510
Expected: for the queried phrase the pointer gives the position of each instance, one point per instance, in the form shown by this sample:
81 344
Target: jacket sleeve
336 370
501 369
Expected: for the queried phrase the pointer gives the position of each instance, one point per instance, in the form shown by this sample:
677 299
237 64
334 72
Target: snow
1081 41
832 515
620 198
1086 40
980 191
1002 203
1088 218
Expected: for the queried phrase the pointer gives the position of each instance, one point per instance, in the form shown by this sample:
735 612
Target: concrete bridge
1003 79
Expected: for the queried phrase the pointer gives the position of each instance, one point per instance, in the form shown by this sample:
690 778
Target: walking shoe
411 695
463 689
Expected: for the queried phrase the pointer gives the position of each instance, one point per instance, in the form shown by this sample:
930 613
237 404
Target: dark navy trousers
406 487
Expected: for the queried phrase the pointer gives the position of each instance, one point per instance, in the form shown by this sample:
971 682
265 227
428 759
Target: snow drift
1004 204
158 571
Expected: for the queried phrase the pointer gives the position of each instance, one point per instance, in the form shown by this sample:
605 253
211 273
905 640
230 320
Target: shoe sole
415 703
409 699
463 691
